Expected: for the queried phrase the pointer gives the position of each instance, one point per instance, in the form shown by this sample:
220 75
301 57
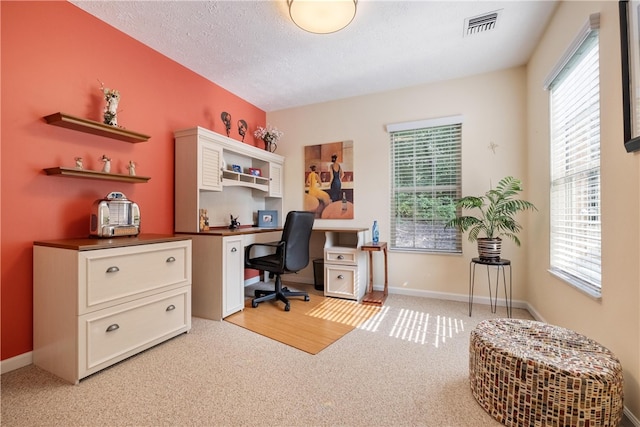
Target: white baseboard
631 417
451 297
19 361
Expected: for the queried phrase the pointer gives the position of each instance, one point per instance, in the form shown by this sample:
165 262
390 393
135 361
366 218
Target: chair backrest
296 234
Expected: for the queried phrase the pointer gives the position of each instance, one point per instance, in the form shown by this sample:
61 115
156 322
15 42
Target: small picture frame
236 168
267 218
255 172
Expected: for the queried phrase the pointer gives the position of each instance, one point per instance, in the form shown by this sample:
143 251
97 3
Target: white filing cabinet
99 301
344 264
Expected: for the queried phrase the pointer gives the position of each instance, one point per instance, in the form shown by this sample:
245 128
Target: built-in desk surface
252 230
237 232
340 229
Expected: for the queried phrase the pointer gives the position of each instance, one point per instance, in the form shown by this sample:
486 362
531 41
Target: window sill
596 294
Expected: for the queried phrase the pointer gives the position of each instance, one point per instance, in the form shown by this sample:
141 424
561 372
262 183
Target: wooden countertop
227 232
341 229
253 230
93 243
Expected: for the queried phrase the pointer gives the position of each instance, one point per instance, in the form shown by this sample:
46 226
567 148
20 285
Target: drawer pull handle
340 257
113 269
171 259
234 249
171 307
113 327
340 276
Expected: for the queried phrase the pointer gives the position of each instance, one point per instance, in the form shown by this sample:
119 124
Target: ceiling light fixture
322 16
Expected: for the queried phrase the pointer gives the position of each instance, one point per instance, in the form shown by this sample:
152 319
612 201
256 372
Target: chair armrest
275 246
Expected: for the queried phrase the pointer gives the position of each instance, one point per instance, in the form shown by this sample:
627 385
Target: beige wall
614 320
510 109
493 107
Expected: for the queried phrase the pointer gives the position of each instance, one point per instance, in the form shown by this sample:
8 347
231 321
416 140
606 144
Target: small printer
114 216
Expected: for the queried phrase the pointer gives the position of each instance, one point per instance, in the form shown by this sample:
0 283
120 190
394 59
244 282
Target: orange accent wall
53 55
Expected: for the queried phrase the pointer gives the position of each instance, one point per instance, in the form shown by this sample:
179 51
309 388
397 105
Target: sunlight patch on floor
344 311
424 328
373 323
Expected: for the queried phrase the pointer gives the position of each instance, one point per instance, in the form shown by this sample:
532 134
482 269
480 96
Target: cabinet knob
340 257
113 327
171 307
171 259
340 276
113 269
234 249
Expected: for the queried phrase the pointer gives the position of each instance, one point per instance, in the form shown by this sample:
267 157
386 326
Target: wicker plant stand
528 373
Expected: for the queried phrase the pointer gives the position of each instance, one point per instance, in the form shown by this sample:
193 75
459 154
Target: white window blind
575 168
426 182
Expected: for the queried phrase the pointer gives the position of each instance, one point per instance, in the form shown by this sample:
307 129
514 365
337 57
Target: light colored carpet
309 326
409 367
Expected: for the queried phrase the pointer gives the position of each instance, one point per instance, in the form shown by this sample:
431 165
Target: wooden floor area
309 326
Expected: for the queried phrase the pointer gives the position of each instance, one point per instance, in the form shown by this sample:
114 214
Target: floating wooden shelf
84 173
94 128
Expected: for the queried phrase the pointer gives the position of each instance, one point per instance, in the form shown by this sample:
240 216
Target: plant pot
489 249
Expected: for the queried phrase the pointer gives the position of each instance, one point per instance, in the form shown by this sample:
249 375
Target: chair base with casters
279 293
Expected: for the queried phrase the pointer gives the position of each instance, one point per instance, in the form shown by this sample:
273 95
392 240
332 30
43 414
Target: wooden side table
376 297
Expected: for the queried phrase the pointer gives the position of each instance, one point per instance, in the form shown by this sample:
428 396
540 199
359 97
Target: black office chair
290 255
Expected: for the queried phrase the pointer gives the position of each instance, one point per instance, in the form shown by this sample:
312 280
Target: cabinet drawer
113 276
112 334
341 282
340 255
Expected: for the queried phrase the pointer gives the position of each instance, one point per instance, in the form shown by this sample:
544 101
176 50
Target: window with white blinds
575 168
426 182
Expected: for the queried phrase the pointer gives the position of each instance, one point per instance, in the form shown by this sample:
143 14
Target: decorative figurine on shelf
112 96
106 168
242 128
226 119
79 163
234 223
132 168
204 220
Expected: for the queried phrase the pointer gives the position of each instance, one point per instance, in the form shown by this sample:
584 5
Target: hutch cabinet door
210 167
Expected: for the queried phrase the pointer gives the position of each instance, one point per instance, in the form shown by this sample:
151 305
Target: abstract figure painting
329 182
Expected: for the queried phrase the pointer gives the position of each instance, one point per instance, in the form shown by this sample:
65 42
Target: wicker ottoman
528 373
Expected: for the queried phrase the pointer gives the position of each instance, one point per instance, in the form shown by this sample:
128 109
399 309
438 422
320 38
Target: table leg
386 274
507 294
493 305
370 272
472 278
510 292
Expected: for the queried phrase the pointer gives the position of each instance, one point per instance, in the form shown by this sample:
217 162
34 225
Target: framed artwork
236 168
630 52
267 218
329 180
255 172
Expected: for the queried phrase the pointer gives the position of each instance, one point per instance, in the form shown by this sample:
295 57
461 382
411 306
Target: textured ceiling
252 48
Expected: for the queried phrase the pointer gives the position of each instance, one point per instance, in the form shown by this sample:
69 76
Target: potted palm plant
496 217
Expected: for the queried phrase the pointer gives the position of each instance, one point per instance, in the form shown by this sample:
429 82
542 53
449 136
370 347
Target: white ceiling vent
481 23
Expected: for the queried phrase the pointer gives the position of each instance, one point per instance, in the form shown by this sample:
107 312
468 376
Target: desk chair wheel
287 307
306 297
254 304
